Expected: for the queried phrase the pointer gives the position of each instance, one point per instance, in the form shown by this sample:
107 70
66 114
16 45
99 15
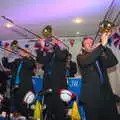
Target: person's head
69 57
87 43
14 44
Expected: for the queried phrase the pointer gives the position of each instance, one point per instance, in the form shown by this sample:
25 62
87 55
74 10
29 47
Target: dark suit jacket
93 91
54 68
25 72
72 69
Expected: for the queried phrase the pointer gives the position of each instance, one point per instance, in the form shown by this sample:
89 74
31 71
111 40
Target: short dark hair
69 54
14 42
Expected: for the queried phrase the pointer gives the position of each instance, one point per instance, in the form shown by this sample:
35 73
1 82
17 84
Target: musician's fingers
7 52
55 42
61 45
42 43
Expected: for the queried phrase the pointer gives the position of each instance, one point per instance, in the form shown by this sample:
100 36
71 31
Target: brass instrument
47 31
109 21
15 49
106 26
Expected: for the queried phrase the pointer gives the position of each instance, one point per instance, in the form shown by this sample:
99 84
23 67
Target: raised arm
6 64
60 54
42 58
107 58
91 57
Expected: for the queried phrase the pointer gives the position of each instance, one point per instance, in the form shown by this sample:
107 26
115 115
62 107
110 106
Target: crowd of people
55 62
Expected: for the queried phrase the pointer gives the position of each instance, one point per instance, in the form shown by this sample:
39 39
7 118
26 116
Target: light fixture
77 33
8 25
77 20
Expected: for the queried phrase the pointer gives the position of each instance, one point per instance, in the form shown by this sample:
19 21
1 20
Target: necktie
100 72
17 81
67 73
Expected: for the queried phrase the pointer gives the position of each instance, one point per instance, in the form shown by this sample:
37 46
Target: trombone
46 31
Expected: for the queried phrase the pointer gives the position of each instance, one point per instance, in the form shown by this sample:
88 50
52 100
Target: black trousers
55 107
3 82
105 111
20 106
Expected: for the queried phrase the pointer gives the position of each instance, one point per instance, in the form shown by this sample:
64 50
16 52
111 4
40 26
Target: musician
53 61
12 51
96 93
71 67
21 69
3 80
38 71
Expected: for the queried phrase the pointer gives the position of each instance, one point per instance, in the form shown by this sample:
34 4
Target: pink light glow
36 11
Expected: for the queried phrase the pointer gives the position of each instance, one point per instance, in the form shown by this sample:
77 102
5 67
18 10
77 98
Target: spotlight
8 25
77 33
77 20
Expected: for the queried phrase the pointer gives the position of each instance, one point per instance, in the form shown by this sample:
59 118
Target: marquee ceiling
36 14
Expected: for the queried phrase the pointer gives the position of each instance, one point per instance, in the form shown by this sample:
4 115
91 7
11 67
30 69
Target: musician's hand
54 42
58 43
7 52
42 43
104 38
62 46
93 47
96 45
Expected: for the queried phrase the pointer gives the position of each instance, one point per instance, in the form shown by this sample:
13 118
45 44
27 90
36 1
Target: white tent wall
114 76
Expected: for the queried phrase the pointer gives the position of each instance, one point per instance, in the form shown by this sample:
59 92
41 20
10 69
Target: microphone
45 92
